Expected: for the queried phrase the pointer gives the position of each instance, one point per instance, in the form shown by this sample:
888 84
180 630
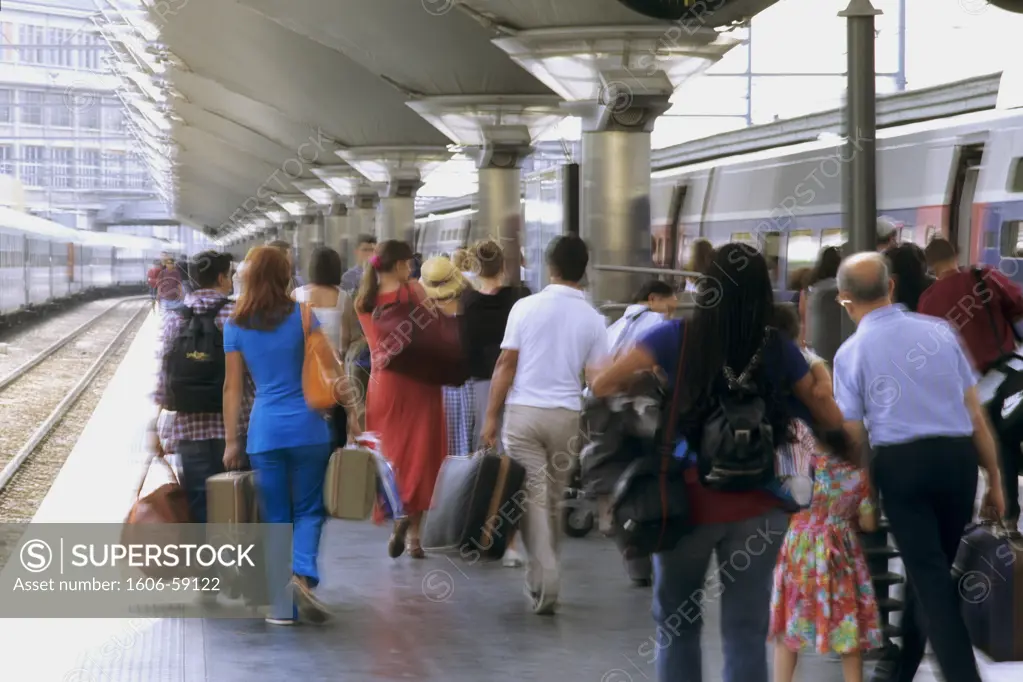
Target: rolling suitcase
350 487
477 503
989 568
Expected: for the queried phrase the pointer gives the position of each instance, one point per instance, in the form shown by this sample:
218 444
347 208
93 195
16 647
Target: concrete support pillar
615 216
305 243
398 173
363 220
397 212
335 231
499 164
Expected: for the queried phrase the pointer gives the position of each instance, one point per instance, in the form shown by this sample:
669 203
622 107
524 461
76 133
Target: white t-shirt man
557 334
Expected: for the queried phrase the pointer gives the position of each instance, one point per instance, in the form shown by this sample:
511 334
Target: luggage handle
149 465
1000 529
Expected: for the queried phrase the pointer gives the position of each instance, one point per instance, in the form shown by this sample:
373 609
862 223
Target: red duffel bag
417 340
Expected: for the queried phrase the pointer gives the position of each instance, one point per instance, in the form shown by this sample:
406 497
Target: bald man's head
863 278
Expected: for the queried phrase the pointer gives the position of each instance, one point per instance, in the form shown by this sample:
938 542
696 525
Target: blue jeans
746 554
289 484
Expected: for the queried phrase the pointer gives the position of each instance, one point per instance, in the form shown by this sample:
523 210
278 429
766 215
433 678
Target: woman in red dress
408 414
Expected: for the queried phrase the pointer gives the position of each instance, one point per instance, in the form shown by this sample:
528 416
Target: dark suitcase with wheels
477 504
989 569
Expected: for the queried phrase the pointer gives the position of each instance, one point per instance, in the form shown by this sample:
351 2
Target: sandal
415 550
396 544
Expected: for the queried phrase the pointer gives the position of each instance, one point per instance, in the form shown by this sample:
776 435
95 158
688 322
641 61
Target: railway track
36 396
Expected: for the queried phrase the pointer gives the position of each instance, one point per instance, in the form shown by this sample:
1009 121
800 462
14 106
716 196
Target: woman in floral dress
823 599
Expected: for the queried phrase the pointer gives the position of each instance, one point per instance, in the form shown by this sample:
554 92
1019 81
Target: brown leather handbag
154 519
417 340
321 372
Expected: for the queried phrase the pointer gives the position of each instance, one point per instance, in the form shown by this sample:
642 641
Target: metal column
615 198
861 128
335 229
500 202
363 220
614 194
397 218
305 242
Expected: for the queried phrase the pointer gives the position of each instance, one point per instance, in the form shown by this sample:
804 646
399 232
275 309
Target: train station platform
431 620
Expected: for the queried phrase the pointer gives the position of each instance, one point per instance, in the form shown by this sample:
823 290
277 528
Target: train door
960 227
676 236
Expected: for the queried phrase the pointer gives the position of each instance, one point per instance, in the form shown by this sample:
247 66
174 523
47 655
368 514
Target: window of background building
89 114
62 164
113 169
6 159
113 115
31 106
6 38
138 176
88 168
32 163
89 53
59 110
31 40
6 108
59 52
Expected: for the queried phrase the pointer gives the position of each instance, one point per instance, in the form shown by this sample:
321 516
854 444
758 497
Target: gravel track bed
23 344
26 403
20 500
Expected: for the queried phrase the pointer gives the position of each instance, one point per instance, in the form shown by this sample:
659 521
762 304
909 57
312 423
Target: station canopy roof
257 93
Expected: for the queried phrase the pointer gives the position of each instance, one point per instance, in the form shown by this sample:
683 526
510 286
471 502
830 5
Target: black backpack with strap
737 450
194 367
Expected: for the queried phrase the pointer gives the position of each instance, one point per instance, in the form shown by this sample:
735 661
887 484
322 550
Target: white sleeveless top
329 318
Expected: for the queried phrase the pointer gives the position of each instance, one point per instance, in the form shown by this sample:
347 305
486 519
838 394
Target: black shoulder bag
650 503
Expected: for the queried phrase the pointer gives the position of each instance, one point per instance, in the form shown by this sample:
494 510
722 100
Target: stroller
580 506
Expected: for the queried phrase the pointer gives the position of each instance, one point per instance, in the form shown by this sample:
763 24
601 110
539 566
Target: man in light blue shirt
905 379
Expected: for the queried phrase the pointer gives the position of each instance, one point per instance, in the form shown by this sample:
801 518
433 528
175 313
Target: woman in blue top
733 317
288 443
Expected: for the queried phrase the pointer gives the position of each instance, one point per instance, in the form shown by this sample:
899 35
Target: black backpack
194 367
737 448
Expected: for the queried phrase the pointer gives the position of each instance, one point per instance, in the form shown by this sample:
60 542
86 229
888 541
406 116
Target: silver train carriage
44 262
959 177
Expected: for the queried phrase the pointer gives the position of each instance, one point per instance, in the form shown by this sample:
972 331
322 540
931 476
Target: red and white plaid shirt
198 426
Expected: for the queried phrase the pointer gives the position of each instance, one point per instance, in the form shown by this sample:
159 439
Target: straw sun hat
441 279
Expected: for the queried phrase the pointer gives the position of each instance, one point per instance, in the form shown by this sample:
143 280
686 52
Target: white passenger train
959 177
44 262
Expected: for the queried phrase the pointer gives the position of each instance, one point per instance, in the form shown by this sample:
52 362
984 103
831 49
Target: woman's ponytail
366 299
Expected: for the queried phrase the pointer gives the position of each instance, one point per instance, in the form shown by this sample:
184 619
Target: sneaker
280 621
512 559
541 603
396 545
309 607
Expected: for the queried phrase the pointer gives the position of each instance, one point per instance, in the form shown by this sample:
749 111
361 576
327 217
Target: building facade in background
64 134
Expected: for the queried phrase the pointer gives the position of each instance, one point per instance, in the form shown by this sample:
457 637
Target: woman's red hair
265 302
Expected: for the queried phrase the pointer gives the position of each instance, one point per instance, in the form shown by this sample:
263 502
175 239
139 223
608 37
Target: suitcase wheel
579 522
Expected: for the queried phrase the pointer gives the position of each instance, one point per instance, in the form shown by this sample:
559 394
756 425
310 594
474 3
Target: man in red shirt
982 304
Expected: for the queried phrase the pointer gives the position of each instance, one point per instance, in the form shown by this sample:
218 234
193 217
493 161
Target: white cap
886 227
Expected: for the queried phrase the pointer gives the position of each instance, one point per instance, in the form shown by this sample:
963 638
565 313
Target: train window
832 238
1016 176
906 234
802 250
1011 244
744 238
930 234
